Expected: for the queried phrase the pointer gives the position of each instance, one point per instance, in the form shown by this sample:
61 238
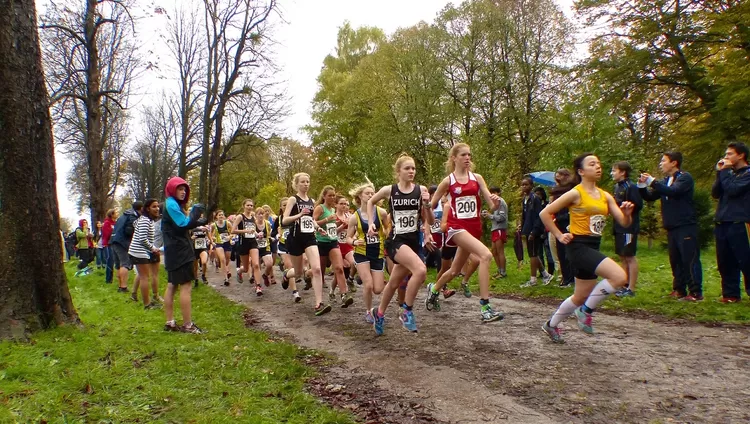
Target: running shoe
466 289
585 321
157 298
625 293
504 274
565 284
171 326
266 281
691 298
152 305
677 295
308 283
229 275
122 290
368 317
489 314
496 276
204 279
226 282
297 298
239 277
252 281
407 320
448 293
547 279
322 309
350 284
258 290
528 284
284 281
729 300
554 333
332 297
432 301
378 321
193 329
134 297
346 300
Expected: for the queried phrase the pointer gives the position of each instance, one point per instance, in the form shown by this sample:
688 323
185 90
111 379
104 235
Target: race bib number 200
404 221
466 207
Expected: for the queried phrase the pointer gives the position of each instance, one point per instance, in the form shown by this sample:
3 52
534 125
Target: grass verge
123 367
654 284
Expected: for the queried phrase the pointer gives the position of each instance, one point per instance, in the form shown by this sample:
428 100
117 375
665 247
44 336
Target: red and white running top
466 206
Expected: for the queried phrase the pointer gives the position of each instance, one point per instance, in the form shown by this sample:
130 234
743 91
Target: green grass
123 367
654 284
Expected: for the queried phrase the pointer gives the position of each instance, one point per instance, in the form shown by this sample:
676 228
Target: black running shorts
584 256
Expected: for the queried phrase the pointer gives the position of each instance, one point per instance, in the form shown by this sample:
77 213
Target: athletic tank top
329 227
247 224
201 239
589 217
374 245
305 225
283 231
404 209
465 203
263 235
222 233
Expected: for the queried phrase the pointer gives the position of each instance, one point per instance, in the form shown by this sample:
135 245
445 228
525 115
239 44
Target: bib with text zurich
466 207
306 224
405 221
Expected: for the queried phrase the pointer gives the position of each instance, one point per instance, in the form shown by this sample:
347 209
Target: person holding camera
732 189
680 220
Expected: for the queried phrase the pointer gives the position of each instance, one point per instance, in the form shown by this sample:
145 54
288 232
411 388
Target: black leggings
85 255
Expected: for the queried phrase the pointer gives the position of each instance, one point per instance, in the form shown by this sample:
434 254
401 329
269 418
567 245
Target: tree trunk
94 142
34 289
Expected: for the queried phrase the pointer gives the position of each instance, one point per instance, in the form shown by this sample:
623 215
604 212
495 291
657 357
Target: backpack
72 238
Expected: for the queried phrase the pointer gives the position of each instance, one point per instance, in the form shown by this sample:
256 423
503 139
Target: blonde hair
296 177
357 191
323 193
400 162
450 165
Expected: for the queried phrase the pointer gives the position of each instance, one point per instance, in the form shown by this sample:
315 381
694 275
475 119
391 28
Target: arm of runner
442 189
383 193
427 215
288 218
352 231
236 224
568 199
623 214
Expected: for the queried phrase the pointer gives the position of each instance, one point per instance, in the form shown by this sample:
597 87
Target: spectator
83 236
732 188
120 243
532 229
680 220
109 257
563 184
542 194
626 239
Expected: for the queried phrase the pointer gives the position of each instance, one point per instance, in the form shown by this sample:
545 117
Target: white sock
563 311
599 294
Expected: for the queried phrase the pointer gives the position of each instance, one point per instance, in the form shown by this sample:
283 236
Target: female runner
328 244
246 227
347 250
221 235
288 279
264 237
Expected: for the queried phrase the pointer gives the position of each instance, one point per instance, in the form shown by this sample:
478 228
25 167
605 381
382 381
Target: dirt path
458 370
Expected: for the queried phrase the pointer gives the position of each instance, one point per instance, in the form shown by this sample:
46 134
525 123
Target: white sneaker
297 298
547 279
528 284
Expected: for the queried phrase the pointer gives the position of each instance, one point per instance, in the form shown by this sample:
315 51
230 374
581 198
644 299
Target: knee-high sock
600 293
563 311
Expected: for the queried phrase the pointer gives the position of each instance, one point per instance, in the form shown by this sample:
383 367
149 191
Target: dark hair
541 193
495 190
674 157
146 205
138 206
578 165
739 147
432 189
623 166
528 177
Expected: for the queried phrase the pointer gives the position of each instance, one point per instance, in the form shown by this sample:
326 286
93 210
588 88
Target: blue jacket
732 188
677 206
626 191
123 231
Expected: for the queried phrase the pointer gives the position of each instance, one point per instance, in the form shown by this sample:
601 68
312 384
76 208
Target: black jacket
124 228
677 206
531 223
732 188
627 191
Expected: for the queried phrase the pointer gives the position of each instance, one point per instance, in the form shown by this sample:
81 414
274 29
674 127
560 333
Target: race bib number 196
466 207
404 221
306 224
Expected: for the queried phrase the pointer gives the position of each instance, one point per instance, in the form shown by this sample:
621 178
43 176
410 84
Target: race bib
331 230
342 237
224 237
285 234
597 223
250 227
306 224
200 243
372 239
263 243
466 207
404 221
435 227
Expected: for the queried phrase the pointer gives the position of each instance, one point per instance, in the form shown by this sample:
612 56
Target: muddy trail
459 370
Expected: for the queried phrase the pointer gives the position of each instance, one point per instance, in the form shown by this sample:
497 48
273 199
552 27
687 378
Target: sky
304 39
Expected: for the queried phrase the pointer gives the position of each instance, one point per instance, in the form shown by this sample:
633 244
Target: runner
288 277
221 235
407 201
589 206
347 250
301 240
272 219
200 239
264 237
245 226
465 225
328 244
368 250
145 255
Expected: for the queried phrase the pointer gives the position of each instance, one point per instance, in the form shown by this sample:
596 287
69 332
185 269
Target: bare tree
155 156
35 290
237 36
90 62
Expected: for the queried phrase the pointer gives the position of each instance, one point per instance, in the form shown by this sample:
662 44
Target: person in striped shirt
144 254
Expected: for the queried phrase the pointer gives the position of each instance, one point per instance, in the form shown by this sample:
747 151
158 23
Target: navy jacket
531 223
732 188
123 231
677 207
627 191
